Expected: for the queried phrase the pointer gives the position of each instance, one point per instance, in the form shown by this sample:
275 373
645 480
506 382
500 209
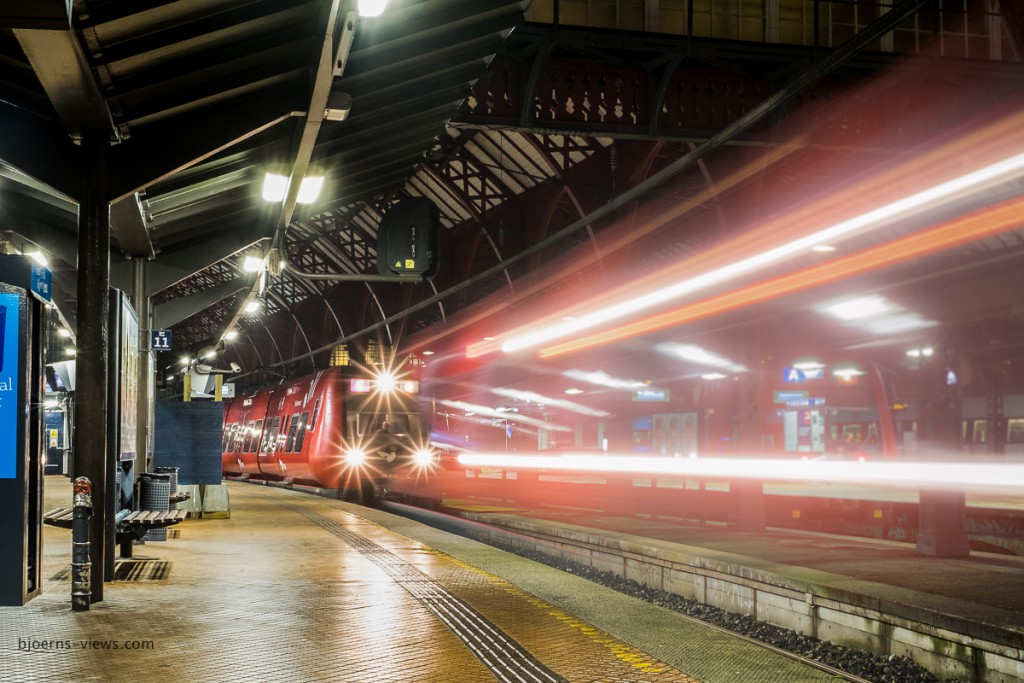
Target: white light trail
497 414
930 198
562 403
961 476
603 379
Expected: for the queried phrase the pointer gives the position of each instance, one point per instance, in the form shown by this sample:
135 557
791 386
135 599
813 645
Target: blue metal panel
10 449
188 436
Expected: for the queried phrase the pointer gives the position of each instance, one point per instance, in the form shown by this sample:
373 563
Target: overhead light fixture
252 264
185 360
927 351
573 391
310 188
230 334
847 374
700 356
862 307
713 376
70 352
274 187
253 306
823 248
38 256
64 333
339 104
372 8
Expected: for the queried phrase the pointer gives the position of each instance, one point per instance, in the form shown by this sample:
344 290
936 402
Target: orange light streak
964 229
938 163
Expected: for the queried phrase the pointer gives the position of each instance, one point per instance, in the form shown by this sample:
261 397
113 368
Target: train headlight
355 457
423 457
386 383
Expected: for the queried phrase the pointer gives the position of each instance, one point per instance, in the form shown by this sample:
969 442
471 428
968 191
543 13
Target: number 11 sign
160 340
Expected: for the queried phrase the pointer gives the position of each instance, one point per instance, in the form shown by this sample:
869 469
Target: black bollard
81 566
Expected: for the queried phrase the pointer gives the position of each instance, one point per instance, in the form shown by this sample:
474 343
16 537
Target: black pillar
942 516
90 437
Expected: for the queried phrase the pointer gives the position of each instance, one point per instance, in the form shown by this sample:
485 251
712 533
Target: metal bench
130 527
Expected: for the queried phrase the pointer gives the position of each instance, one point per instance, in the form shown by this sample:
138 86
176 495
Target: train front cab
244 421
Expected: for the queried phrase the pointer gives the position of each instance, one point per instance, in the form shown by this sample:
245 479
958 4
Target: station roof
460 101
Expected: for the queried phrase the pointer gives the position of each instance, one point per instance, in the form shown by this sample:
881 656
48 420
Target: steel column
92 360
144 406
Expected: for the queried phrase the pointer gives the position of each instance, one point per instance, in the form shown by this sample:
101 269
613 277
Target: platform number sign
160 340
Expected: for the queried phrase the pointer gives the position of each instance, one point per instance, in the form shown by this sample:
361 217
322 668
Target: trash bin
155 494
173 473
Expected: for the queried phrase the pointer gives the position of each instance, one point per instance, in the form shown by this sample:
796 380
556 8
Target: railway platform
960 618
294 587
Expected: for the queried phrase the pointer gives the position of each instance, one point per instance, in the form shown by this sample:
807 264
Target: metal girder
128 223
160 151
65 73
53 242
173 267
173 312
33 14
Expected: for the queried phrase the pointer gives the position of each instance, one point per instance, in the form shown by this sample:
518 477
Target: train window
257 432
1015 430
226 438
316 414
300 435
980 434
271 436
354 427
291 433
248 436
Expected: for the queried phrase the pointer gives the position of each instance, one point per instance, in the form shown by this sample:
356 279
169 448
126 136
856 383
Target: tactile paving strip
506 659
572 649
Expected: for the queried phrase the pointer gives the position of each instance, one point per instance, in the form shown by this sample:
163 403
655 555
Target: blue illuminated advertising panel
9 382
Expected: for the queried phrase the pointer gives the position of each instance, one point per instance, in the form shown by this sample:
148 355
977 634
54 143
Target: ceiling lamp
310 188
371 8
252 264
275 187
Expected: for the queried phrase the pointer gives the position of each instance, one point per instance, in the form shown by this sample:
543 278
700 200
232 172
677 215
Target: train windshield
373 423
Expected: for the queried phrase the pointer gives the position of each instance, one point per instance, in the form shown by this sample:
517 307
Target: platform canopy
517 121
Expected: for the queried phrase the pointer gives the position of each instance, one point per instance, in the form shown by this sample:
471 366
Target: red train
340 428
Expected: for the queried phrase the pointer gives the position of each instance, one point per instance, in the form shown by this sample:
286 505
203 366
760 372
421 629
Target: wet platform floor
298 588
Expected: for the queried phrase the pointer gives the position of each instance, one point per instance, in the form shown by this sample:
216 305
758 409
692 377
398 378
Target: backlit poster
9 345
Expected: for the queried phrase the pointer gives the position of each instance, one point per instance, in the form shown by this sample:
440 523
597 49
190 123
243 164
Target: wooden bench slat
134 520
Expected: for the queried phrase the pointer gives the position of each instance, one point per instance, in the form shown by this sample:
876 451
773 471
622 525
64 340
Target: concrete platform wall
948 647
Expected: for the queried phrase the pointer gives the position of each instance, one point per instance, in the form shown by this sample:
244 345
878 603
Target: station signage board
10 340
786 397
790 374
160 340
41 282
655 395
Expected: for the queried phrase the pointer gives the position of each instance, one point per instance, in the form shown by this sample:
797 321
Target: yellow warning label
398 264
409 263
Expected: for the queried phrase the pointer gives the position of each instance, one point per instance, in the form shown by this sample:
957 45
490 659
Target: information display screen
10 305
